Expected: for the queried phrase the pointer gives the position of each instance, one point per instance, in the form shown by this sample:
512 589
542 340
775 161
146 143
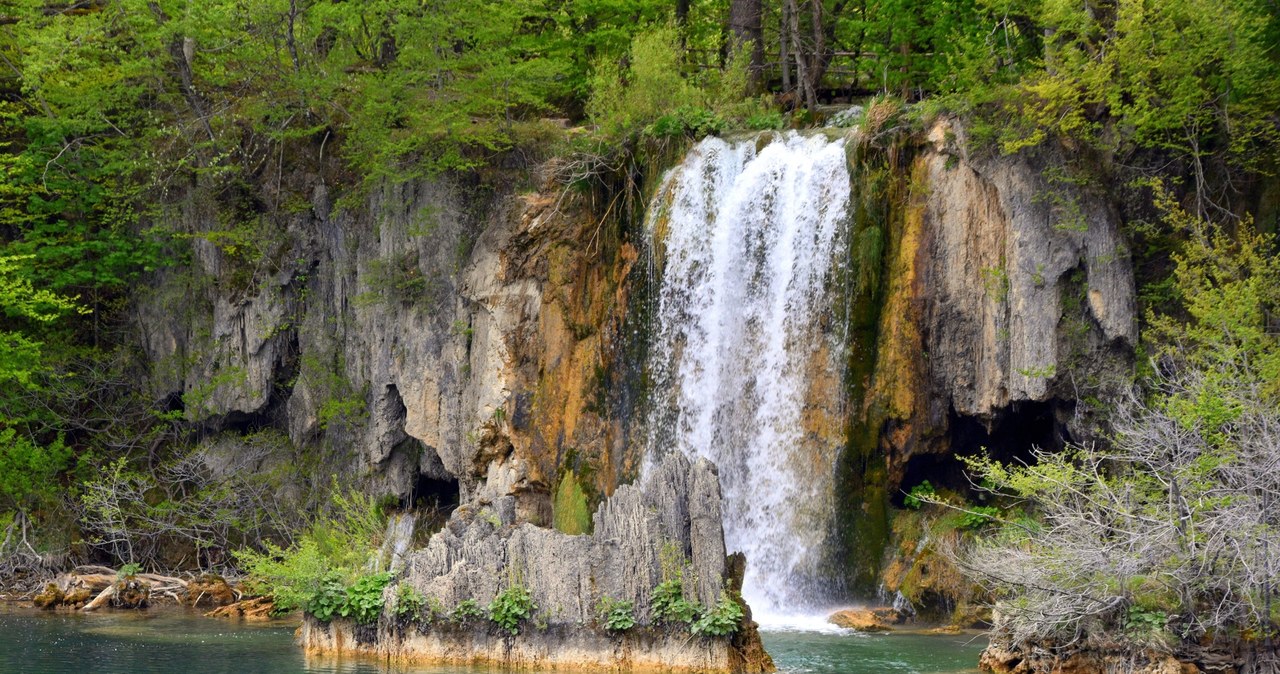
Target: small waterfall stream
397 541
745 240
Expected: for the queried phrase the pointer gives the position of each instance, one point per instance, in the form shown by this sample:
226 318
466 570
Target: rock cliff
479 340
1010 300
445 338
1007 312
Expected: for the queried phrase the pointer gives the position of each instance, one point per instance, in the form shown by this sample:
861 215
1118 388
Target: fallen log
97 586
100 600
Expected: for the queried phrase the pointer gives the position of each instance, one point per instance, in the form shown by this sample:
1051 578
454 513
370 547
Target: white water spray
746 241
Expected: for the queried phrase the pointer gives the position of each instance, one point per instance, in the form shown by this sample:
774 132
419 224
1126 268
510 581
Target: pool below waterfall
177 641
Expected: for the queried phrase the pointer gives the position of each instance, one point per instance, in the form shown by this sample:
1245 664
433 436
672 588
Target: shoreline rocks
882 619
554 647
1229 657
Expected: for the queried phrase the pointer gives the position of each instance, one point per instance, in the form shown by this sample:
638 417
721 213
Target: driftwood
255 609
98 586
101 600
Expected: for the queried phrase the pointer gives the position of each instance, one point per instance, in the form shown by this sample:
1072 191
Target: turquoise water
172 641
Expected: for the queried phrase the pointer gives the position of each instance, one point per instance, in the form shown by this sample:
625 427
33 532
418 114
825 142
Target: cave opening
1010 437
433 498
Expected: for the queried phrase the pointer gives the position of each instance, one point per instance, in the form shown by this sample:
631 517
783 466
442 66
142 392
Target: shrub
617 615
978 517
364 598
409 602
510 607
327 599
336 550
28 471
692 121
669 604
721 620
918 495
466 611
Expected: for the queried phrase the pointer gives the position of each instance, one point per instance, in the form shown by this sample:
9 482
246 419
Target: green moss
861 471
570 512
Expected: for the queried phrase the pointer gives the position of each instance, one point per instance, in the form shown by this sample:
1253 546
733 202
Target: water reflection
175 641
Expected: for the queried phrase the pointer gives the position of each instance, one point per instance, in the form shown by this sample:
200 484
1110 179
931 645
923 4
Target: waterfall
744 241
397 542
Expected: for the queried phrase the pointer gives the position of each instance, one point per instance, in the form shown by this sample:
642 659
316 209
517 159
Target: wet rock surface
881 619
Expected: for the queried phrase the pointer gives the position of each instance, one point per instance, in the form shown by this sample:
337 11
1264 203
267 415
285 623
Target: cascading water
745 241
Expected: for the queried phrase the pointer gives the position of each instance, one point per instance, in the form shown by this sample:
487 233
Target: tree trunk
784 48
747 26
803 78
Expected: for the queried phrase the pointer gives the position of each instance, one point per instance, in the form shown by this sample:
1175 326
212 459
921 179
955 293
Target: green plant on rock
617 615
327 599
919 495
978 517
721 620
364 598
466 611
511 606
130 569
396 280
1139 620
410 603
670 606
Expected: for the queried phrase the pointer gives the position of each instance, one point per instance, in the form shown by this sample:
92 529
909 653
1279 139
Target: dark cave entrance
1009 438
433 494
433 499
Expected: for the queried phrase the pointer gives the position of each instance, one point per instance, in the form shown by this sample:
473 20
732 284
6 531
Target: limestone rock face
1010 286
1003 241
483 549
675 514
439 329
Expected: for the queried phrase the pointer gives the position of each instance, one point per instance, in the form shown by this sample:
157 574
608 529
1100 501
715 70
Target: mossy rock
570 512
131 593
50 597
77 597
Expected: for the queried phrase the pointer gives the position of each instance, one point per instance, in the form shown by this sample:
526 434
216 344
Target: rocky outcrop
456 339
1010 299
668 527
880 619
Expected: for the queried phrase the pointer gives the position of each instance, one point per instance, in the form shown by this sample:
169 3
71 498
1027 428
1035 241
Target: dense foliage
1167 536
333 568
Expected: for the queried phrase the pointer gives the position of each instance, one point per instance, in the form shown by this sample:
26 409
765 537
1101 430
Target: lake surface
175 641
